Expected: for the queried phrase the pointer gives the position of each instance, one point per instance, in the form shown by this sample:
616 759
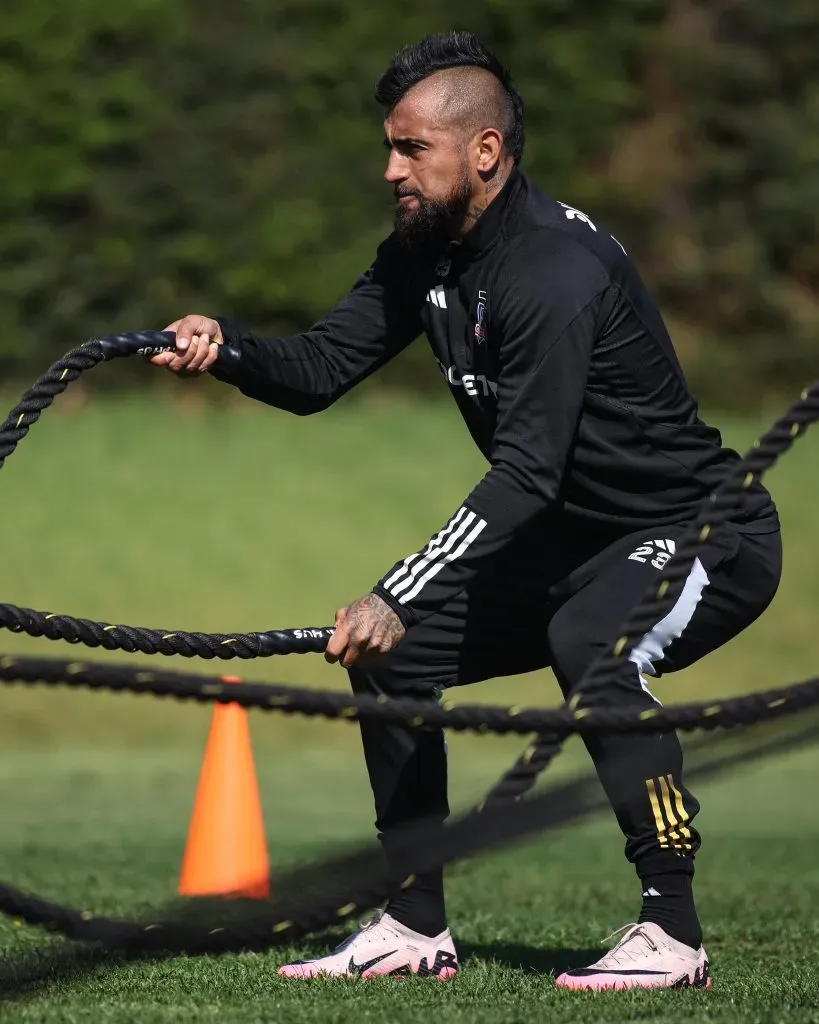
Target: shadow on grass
529 959
33 972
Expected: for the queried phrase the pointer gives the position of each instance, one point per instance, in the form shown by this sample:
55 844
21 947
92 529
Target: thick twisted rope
139 639
58 376
109 636
480 718
333 890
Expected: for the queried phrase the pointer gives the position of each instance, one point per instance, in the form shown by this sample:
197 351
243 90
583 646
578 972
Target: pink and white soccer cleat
383 947
645 957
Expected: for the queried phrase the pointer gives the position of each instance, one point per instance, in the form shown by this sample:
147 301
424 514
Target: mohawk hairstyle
441 52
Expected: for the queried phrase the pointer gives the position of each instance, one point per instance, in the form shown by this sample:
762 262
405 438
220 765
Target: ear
490 147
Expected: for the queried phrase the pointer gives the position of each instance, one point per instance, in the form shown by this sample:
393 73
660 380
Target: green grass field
166 514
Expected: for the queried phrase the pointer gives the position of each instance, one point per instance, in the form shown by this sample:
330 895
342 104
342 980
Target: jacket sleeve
307 372
544 317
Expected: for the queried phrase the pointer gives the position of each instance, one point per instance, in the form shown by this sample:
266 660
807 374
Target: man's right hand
197 345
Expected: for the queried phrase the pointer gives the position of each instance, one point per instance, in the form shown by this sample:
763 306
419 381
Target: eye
406 147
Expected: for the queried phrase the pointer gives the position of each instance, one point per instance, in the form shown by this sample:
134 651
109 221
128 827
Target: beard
433 219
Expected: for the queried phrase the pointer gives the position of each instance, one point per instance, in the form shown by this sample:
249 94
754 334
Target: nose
396 168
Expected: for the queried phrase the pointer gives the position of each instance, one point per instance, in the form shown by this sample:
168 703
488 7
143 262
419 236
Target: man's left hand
365 628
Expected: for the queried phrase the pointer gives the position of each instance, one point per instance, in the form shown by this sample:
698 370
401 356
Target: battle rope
480 718
103 634
331 891
139 639
552 725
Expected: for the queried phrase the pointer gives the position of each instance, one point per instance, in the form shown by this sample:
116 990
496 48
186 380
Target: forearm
307 372
496 510
298 374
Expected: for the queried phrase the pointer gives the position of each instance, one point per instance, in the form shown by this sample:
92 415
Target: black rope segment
516 781
57 378
481 718
139 639
331 891
103 634
39 397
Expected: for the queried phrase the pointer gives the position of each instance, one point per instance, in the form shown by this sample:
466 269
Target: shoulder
542 265
557 238
543 250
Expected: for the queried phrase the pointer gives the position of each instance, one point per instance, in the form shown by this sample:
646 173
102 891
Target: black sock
421 906
668 900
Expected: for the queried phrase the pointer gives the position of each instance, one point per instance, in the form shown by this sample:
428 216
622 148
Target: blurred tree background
168 156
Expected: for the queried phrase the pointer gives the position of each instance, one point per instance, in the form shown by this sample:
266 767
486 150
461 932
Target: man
568 382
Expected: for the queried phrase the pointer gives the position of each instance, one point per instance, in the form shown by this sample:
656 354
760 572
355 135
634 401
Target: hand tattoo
364 629
370 619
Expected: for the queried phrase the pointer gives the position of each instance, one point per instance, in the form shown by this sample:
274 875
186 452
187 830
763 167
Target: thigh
729 585
738 591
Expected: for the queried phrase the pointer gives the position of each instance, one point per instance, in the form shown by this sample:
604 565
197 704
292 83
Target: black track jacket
562 369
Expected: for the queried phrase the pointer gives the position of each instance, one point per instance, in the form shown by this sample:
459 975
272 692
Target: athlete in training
568 382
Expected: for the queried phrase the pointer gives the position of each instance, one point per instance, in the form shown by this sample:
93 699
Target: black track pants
560 604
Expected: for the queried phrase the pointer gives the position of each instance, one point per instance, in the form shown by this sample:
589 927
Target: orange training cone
226 851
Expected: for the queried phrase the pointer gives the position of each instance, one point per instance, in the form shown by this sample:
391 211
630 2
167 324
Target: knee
573 655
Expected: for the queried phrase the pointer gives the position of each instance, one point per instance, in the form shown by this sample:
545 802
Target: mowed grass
172 515
106 832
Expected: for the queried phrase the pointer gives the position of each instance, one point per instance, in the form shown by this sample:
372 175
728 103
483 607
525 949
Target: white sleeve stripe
433 555
431 546
399 572
436 568
436 540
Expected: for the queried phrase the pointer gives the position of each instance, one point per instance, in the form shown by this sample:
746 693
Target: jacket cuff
227 366
406 615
